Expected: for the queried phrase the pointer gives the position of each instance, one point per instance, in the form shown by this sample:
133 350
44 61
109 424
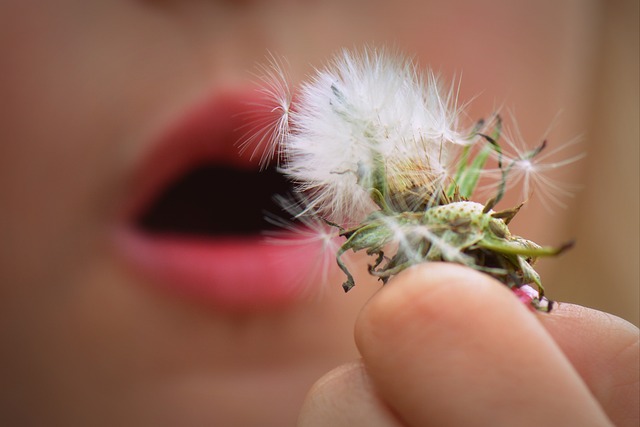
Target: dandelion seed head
363 109
381 164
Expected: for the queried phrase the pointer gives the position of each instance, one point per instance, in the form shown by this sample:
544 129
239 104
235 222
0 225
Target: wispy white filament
533 174
307 233
269 118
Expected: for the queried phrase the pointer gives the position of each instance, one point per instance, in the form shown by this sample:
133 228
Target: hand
446 346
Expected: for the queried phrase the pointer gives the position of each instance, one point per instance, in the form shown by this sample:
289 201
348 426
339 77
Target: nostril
216 200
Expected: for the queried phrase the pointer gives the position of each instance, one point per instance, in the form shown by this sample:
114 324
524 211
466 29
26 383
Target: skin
435 351
86 342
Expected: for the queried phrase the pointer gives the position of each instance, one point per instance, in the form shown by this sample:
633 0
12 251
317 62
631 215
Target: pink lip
234 273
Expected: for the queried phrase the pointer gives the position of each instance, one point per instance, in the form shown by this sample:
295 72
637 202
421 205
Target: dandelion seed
530 169
307 232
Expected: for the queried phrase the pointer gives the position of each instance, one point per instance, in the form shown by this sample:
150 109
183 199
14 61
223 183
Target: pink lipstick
207 245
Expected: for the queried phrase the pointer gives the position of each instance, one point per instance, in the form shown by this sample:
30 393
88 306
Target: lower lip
230 272
233 273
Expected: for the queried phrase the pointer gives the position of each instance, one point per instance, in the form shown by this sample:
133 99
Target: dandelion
378 153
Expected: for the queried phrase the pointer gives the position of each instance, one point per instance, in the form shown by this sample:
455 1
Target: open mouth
196 214
212 201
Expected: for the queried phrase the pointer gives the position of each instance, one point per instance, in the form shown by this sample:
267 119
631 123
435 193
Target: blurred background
565 69
602 270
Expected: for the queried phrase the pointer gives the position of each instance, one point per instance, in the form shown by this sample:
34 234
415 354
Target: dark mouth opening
216 200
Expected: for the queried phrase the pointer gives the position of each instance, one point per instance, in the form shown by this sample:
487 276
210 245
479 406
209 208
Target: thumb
445 345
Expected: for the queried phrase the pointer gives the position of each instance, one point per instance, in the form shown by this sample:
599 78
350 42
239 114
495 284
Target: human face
105 103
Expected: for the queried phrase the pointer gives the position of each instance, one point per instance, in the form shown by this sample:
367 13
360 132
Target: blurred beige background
602 271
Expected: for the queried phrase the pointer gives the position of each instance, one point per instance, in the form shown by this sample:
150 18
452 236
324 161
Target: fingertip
436 294
441 337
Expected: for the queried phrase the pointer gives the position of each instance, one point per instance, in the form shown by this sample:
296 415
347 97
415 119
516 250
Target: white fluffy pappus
267 121
364 113
531 169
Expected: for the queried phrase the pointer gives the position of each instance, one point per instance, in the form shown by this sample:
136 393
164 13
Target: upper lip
234 272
